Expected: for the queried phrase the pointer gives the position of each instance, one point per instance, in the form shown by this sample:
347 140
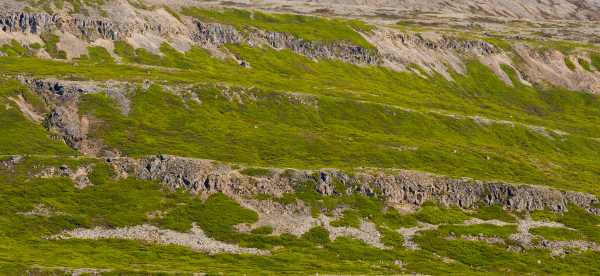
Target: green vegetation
495 259
317 235
127 202
557 234
257 171
50 41
545 215
584 64
595 57
14 49
216 216
19 134
487 230
351 218
587 226
307 27
99 54
434 214
271 131
344 133
493 212
290 111
586 223
264 230
569 63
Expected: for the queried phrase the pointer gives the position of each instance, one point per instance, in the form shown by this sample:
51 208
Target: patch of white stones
409 233
195 239
523 237
296 219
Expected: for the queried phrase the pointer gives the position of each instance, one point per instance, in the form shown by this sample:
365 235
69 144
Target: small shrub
318 235
569 63
264 230
584 64
257 172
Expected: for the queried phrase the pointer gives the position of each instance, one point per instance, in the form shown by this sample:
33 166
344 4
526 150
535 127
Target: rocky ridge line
400 187
209 35
216 34
79 25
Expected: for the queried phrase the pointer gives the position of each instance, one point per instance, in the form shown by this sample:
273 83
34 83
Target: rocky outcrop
428 53
11 162
86 27
215 35
329 50
63 88
79 176
401 187
444 43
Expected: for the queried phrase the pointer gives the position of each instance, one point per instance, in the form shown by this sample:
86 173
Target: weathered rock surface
11 161
79 176
215 34
410 187
429 52
296 219
86 27
329 50
195 239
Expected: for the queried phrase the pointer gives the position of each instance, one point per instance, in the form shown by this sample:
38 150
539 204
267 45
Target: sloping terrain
148 137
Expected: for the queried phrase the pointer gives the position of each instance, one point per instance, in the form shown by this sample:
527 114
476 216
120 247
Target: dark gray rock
407 187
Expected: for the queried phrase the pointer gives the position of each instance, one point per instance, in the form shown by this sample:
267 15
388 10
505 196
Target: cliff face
205 34
401 187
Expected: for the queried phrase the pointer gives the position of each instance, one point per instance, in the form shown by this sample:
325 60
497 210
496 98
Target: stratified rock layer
400 187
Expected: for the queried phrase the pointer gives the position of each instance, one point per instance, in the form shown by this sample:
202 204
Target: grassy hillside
118 203
288 111
19 134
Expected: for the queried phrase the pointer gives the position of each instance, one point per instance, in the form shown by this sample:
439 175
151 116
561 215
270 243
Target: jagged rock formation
206 34
62 88
424 54
215 34
334 50
89 28
409 187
